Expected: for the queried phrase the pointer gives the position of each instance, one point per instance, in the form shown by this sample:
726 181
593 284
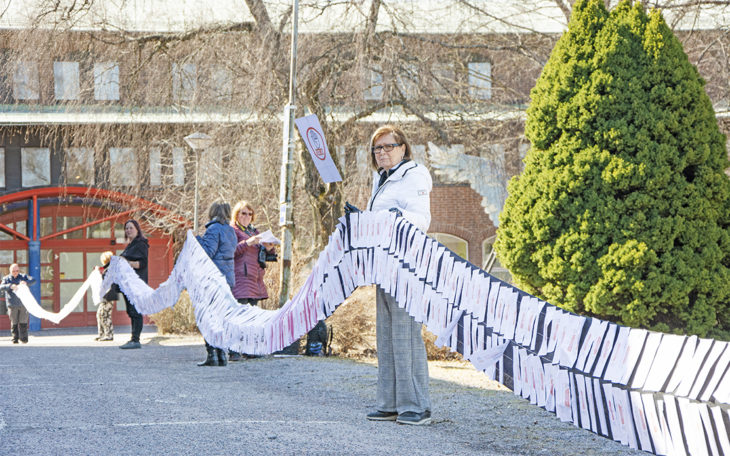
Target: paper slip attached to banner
313 137
268 237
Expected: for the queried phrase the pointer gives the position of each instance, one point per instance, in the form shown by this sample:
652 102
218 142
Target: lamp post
198 142
287 168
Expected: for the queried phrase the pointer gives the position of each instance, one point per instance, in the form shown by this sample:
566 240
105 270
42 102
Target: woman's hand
134 264
253 240
269 246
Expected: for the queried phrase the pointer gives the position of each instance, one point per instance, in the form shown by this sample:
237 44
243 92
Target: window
497 269
222 84
66 80
408 81
178 165
211 166
2 167
26 84
106 81
123 166
362 155
184 79
456 244
80 166
419 153
35 164
480 80
374 85
155 167
444 79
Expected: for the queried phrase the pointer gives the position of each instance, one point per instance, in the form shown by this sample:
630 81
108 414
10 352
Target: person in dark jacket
219 242
136 254
250 287
16 310
106 306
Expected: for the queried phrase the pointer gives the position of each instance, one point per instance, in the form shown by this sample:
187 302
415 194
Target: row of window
82 163
461 247
35 166
409 80
67 78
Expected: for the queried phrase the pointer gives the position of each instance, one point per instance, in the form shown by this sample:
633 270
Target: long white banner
662 393
92 282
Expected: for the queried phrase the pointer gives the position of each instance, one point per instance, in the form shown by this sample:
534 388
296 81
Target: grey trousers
18 323
18 315
402 362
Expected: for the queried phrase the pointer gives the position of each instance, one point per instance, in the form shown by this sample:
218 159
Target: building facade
92 122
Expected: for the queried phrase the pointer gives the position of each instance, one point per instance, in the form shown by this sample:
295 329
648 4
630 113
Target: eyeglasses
384 148
245 213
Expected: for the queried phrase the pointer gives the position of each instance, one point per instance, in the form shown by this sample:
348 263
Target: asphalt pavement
65 394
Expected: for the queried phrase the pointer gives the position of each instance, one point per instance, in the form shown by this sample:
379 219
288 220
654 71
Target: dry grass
178 319
353 324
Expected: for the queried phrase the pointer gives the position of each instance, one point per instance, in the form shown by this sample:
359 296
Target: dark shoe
414 418
234 356
24 341
130 344
212 359
222 359
98 338
382 416
15 341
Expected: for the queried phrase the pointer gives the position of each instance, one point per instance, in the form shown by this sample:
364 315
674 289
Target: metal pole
195 209
287 169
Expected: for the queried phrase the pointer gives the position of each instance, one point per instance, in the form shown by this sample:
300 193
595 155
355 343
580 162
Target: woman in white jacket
402 186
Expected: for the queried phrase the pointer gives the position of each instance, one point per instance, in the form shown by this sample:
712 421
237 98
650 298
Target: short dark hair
397 134
220 211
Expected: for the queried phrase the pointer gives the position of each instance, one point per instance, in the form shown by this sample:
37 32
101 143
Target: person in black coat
136 254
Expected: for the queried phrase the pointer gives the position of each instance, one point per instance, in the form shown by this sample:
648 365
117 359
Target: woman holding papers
400 186
250 287
219 242
136 254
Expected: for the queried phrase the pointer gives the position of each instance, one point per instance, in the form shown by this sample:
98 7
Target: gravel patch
65 394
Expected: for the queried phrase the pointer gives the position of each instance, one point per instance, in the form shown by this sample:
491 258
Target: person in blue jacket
16 310
219 242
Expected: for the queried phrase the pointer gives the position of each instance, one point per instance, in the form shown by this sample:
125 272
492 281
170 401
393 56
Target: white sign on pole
313 137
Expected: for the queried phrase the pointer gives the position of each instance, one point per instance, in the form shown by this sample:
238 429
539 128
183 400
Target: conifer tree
623 208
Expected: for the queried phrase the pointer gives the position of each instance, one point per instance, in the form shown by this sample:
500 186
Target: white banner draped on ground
662 393
31 305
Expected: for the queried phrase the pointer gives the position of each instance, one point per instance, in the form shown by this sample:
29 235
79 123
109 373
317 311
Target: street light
286 189
198 142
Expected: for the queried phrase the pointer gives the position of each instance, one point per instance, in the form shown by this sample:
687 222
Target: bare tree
459 76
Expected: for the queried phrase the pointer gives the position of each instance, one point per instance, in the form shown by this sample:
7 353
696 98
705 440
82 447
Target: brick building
93 112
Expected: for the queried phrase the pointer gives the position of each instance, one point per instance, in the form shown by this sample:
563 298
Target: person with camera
249 259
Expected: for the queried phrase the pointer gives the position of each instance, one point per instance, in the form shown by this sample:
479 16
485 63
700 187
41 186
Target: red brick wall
457 210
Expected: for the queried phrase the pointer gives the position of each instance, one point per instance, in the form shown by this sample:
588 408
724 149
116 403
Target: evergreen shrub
623 209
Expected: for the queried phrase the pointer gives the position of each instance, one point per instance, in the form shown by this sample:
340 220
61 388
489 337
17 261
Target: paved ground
64 394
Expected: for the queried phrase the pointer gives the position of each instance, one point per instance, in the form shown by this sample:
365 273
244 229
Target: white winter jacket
408 189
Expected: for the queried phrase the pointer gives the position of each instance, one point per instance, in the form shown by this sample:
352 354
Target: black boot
14 331
23 330
212 359
234 356
222 360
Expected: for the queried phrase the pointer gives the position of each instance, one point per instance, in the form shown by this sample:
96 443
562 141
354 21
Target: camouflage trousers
104 319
